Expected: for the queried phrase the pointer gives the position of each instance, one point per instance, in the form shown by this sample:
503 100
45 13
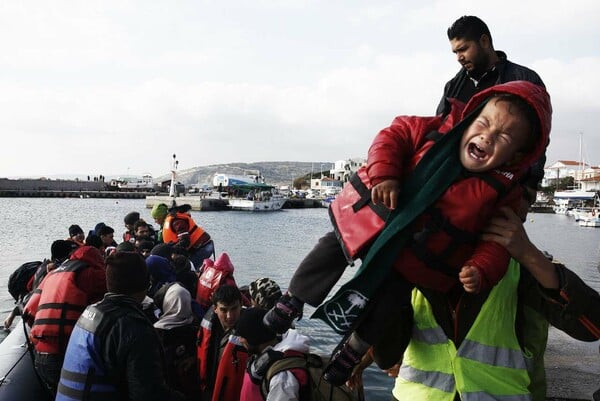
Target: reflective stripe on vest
439 380
434 370
508 358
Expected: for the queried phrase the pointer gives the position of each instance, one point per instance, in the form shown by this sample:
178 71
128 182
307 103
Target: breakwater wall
20 193
43 188
41 184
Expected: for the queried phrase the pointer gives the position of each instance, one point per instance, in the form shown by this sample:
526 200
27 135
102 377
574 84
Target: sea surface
272 245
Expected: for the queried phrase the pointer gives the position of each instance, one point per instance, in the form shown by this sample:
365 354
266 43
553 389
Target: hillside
275 173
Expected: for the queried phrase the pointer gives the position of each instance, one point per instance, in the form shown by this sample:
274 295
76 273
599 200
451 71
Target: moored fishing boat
248 193
589 219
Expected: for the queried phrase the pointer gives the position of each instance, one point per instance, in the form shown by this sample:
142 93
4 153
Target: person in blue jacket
114 351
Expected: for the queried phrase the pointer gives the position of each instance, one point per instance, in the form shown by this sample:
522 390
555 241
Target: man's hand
470 277
508 231
386 192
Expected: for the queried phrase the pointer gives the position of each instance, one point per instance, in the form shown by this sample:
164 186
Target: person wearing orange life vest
56 305
215 329
180 229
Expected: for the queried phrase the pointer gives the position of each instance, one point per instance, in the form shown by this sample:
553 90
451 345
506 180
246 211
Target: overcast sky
117 87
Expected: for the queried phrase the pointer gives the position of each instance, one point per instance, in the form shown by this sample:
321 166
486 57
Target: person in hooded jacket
56 305
503 131
161 272
177 328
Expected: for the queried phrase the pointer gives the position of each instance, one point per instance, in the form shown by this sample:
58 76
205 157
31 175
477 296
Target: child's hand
386 192
470 277
393 371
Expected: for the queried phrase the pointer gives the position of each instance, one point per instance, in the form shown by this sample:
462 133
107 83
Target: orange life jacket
195 231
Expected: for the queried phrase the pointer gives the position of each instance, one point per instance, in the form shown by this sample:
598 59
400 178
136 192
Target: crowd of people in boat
454 299
140 320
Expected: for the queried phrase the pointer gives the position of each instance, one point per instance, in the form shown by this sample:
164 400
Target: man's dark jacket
506 71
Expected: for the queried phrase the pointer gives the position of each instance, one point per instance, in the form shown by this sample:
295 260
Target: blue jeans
197 255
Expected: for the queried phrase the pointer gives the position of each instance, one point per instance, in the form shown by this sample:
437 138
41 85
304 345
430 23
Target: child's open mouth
476 152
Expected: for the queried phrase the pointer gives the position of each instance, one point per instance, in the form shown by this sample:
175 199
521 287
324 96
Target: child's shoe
341 365
280 317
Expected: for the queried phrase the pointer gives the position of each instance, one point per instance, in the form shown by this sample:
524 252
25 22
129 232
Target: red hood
533 94
89 255
222 263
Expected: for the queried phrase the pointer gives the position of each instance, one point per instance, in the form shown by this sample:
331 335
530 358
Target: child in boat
507 129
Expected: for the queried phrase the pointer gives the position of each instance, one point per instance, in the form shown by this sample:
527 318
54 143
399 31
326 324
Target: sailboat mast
580 160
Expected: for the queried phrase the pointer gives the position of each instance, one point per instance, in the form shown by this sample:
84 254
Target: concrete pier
200 203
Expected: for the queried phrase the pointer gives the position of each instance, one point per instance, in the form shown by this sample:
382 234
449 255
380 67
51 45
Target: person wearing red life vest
215 329
57 303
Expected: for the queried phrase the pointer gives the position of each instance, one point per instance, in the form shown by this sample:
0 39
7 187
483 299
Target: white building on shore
339 174
586 177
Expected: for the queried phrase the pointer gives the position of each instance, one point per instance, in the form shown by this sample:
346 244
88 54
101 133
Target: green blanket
436 171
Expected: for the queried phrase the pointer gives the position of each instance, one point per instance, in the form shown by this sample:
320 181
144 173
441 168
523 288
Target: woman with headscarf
177 329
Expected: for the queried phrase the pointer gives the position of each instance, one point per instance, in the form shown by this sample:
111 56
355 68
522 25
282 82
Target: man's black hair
126 273
105 230
227 295
140 223
94 240
469 27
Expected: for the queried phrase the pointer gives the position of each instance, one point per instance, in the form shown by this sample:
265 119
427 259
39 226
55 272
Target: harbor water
272 245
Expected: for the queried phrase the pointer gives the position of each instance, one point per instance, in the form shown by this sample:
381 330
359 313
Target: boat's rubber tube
18 380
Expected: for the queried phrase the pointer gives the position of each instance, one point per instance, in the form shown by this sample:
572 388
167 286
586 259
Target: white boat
273 203
248 192
566 201
591 219
327 201
144 183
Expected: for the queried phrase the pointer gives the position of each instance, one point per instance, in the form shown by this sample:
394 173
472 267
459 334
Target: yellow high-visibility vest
488 365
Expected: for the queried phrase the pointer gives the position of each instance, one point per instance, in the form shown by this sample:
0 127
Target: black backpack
17 282
318 388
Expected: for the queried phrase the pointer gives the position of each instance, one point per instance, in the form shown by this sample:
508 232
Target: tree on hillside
301 182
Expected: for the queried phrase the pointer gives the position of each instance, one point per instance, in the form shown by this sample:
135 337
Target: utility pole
173 178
